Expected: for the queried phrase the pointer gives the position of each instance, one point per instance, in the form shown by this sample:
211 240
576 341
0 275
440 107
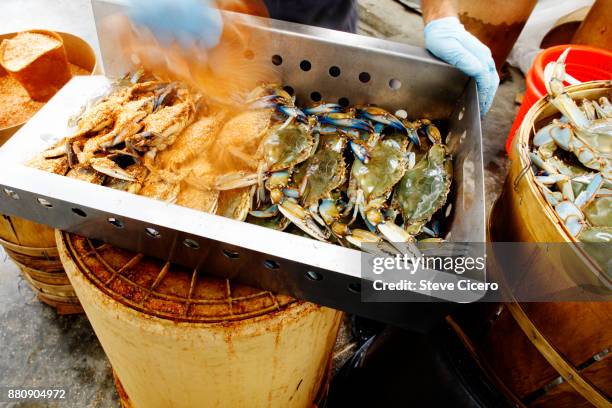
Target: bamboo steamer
46 74
175 337
32 247
543 354
79 52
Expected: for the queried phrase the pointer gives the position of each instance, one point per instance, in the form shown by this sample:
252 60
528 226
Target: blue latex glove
189 22
448 40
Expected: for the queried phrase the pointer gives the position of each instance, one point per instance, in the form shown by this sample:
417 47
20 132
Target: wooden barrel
32 247
543 354
177 337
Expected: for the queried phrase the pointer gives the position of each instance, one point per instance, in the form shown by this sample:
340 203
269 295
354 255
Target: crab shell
235 204
386 167
599 212
424 188
286 146
326 171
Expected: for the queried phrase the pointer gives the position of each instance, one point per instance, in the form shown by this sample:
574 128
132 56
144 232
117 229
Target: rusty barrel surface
543 354
32 247
177 337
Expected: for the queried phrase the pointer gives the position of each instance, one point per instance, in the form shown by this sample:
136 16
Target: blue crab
371 185
315 182
587 133
282 148
272 96
424 188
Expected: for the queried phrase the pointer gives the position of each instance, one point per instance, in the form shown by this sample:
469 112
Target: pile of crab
351 176
572 160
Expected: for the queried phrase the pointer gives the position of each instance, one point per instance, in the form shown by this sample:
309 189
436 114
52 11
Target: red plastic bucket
583 63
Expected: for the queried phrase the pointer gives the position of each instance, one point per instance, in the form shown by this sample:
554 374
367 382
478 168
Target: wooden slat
554 358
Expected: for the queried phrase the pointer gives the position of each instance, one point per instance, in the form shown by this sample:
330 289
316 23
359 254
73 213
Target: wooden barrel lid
167 290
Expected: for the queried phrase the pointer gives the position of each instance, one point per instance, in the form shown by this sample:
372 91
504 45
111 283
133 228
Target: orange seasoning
16 106
37 60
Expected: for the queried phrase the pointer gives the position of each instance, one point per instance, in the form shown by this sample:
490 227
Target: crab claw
300 217
342 120
380 115
587 195
554 75
432 131
293 112
323 108
330 215
269 212
360 151
370 242
110 168
399 238
572 217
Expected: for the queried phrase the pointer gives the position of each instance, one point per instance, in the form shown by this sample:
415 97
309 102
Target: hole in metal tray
395 84
44 202
401 113
152 232
364 77
289 90
334 71
190 243
79 212
270 264
11 194
277 60
231 254
315 96
115 222
314 276
305 65
354 287
344 102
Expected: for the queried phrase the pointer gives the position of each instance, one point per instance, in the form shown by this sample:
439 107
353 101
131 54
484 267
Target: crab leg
323 109
236 179
110 168
370 242
345 120
269 212
302 219
376 114
593 133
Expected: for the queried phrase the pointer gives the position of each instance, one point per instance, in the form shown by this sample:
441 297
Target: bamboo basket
543 354
32 247
46 74
79 52
179 338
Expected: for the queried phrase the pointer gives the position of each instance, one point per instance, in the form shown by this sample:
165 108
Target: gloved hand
448 40
189 22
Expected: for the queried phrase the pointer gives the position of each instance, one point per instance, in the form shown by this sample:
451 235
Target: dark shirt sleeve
334 14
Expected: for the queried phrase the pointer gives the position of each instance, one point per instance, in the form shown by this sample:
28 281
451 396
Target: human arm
447 39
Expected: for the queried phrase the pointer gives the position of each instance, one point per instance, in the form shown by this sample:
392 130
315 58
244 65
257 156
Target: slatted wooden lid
167 290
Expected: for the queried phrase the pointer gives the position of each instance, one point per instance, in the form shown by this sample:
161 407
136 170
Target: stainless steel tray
255 255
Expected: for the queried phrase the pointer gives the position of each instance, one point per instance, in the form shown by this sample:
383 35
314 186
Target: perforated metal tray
255 255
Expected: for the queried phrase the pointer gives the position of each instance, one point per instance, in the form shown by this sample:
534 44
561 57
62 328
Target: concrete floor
38 348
